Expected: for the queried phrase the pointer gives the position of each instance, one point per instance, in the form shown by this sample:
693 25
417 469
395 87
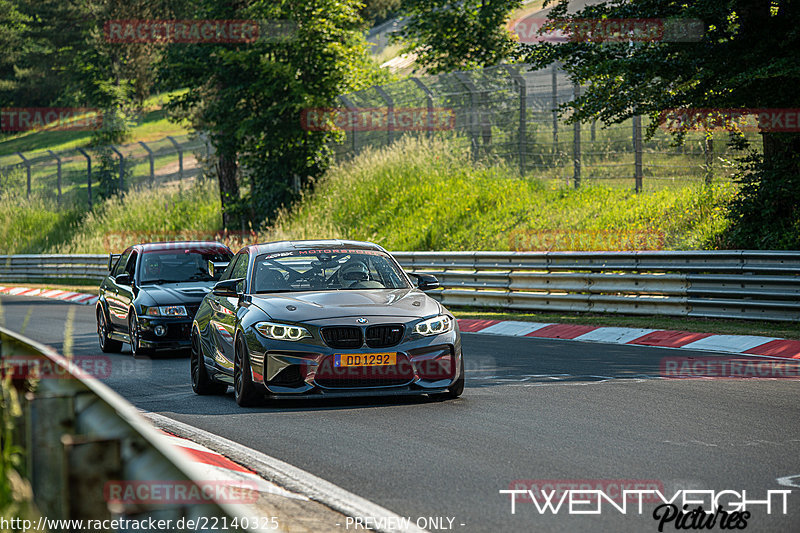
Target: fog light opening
160 331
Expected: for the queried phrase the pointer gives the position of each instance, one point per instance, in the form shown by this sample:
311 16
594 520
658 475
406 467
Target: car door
223 317
125 294
117 313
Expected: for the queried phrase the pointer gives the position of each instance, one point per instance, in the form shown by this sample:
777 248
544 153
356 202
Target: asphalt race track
533 409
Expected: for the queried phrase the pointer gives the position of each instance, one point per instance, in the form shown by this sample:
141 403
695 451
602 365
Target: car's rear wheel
455 389
244 390
107 345
135 335
201 381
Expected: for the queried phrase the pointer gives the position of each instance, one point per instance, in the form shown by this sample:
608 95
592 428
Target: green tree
250 97
451 35
747 58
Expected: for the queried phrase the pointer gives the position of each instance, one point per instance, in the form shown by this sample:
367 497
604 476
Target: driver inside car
152 267
354 274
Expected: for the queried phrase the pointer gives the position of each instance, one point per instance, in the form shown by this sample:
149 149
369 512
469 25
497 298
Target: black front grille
384 335
342 336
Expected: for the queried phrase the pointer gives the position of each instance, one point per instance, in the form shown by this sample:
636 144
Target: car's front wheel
107 345
135 335
244 390
201 382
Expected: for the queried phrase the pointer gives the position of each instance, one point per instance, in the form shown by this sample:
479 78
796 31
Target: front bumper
176 335
425 365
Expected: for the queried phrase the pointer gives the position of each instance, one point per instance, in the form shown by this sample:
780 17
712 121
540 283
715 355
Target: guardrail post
121 166
576 144
523 111
429 100
152 162
106 459
389 113
58 172
52 417
27 164
637 152
180 156
88 175
708 148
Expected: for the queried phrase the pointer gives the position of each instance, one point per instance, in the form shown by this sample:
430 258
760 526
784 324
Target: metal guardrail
761 285
79 435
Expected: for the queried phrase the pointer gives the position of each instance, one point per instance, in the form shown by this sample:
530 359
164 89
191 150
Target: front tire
244 390
135 335
107 345
201 382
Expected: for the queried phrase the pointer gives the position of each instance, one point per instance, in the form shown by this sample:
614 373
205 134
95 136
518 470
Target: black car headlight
281 332
434 326
165 310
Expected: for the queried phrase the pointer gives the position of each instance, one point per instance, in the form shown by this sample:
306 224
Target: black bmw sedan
152 292
323 318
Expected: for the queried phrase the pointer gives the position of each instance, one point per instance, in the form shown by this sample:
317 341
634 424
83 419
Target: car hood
174 293
310 306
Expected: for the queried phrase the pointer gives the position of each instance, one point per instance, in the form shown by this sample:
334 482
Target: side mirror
124 279
426 282
227 287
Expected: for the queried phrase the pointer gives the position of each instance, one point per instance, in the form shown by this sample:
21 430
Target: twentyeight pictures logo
681 509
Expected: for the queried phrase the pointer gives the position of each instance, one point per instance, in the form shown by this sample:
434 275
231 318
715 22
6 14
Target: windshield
181 265
326 270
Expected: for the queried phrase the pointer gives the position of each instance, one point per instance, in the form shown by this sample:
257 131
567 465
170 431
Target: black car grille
342 336
331 377
385 335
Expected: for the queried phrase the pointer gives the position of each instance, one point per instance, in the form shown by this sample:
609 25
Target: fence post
349 105
637 151
594 125
554 101
389 113
27 164
523 111
88 175
429 99
180 156
576 144
708 148
58 172
152 162
473 112
121 167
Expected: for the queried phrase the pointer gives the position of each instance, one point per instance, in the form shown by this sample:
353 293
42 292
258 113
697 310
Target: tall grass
428 195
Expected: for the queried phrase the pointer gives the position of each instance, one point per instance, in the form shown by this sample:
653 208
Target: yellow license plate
364 359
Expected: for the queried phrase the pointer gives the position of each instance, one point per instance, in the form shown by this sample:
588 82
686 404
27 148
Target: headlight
282 332
166 310
434 326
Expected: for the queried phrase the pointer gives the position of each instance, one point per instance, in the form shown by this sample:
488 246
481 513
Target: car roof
287 246
171 245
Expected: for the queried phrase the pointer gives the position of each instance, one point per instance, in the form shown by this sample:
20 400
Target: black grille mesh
342 336
384 335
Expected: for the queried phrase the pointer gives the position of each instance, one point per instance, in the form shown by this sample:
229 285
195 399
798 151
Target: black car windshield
182 265
326 270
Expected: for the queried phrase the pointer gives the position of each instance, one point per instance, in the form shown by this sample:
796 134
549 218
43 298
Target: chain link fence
81 175
509 113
